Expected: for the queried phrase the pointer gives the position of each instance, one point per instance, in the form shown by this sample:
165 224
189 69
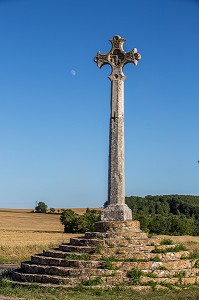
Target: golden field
191 242
23 233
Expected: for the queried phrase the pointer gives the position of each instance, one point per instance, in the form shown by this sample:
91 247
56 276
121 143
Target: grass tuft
93 282
135 276
156 259
196 265
166 242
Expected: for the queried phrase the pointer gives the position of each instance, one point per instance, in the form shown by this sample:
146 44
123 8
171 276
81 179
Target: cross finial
117 58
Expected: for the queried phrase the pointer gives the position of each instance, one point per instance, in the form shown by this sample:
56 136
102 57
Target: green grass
177 248
93 282
135 275
166 242
196 265
156 259
193 255
109 266
133 260
40 293
161 268
98 249
151 274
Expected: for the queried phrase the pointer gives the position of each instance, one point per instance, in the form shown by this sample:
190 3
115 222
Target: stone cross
117 210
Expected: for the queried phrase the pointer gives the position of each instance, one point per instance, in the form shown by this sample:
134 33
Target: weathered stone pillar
116 210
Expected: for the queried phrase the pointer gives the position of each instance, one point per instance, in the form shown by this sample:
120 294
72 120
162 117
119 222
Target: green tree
52 210
41 208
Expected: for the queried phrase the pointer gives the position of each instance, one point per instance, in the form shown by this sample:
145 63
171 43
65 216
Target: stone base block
117 227
116 213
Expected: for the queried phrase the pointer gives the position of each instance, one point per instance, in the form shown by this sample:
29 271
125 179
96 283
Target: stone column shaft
117 58
116 186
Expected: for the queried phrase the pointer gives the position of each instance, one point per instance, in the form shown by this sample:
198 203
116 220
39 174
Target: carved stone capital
117 58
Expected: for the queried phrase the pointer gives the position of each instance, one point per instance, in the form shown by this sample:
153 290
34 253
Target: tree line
166 214
161 214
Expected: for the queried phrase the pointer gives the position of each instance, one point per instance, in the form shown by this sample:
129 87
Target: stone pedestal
107 257
117 227
116 213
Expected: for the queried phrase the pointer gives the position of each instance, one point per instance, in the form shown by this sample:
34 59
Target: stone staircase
116 253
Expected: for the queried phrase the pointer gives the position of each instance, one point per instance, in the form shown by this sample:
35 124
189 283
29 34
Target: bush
69 219
74 223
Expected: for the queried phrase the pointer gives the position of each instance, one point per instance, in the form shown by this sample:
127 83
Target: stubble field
23 233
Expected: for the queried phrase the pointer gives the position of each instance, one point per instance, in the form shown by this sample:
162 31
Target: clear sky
55 102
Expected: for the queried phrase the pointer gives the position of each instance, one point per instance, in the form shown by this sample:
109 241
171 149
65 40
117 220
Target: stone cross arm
117 58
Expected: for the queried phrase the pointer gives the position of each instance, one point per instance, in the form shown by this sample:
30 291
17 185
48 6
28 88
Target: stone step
48 270
113 242
61 280
86 242
122 265
82 249
108 282
120 253
125 250
56 253
150 265
46 285
193 272
162 256
46 260
102 235
101 286
57 275
42 278
49 261
173 280
146 279
63 271
62 254
100 270
62 262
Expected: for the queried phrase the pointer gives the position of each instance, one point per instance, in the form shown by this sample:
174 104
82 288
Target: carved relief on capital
116 57
101 59
132 56
117 42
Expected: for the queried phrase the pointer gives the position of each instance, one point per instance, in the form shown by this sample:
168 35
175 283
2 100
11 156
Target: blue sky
54 101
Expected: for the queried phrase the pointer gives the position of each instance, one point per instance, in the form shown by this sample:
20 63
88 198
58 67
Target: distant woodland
167 214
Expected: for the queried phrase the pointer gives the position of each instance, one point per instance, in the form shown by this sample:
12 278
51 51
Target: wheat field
23 233
191 242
